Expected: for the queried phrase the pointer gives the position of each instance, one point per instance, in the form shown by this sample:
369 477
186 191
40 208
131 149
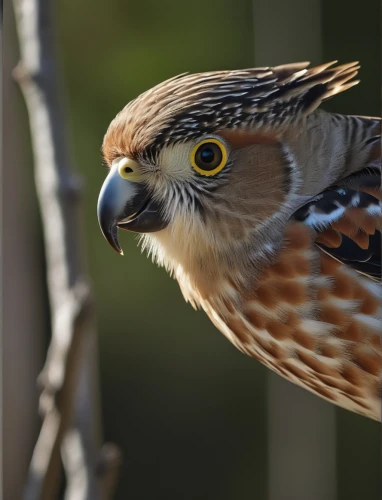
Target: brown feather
188 106
318 340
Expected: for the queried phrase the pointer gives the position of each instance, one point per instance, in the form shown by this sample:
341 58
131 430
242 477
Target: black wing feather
353 215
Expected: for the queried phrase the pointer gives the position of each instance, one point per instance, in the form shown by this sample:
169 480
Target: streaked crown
191 105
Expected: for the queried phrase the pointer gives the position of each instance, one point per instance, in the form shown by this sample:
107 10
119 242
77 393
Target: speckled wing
313 316
313 320
348 222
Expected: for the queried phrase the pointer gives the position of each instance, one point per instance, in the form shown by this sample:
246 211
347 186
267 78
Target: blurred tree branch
68 401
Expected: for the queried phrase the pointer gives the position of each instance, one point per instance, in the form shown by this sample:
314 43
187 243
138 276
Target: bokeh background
188 411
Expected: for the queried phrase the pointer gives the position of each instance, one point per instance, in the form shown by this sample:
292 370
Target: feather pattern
189 106
348 223
310 319
280 246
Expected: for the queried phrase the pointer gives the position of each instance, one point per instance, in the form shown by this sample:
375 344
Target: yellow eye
209 157
129 170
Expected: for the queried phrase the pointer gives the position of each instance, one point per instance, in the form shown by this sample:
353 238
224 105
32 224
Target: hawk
267 211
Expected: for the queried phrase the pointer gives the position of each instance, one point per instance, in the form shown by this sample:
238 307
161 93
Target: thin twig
69 415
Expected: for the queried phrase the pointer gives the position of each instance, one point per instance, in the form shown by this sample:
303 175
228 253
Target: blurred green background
187 409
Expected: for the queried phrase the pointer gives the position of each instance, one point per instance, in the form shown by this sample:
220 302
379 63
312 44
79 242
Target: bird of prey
267 211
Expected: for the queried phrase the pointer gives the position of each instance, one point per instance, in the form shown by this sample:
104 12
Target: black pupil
207 155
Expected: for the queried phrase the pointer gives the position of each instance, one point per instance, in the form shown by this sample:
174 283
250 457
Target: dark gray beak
128 205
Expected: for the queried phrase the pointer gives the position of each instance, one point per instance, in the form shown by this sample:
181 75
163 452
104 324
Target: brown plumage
266 210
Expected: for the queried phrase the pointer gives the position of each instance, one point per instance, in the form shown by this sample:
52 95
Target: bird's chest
311 320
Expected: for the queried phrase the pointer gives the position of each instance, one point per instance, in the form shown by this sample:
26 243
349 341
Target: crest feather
190 105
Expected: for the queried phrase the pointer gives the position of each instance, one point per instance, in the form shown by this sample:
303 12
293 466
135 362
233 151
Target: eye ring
208 157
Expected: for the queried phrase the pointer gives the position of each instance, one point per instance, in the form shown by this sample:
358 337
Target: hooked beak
128 205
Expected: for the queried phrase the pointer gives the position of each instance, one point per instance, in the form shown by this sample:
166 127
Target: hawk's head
203 164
